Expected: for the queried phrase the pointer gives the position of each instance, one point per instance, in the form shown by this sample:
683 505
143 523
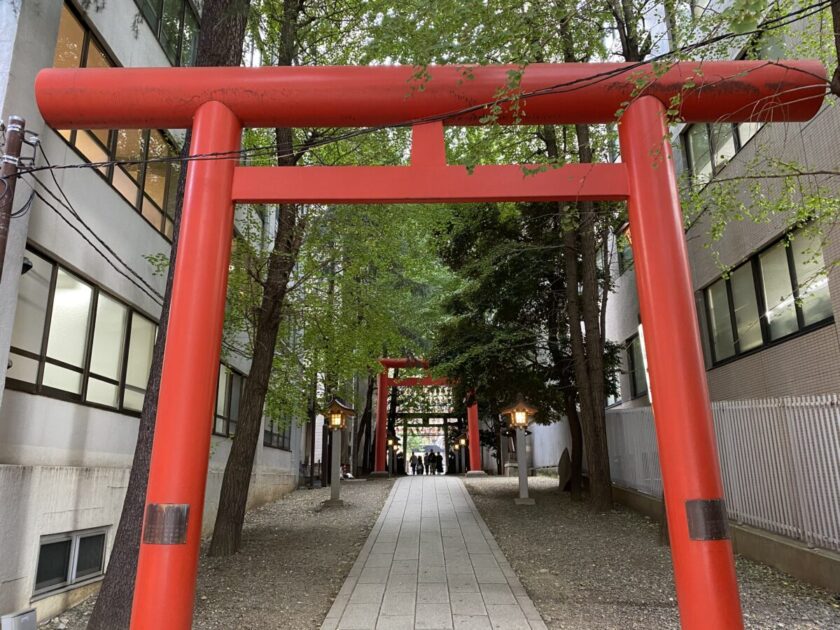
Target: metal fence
780 460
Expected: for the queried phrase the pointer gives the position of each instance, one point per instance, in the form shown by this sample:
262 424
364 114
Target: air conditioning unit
23 620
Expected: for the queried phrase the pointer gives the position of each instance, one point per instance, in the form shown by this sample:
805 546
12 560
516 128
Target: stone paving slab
431 563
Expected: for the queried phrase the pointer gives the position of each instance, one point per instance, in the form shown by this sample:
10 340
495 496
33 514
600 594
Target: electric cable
559 88
69 207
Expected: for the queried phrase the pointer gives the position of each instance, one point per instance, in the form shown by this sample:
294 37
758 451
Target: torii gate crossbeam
218 102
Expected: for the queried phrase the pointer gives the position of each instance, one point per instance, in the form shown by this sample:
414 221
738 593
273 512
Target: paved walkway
431 563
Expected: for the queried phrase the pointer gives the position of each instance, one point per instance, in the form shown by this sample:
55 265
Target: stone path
431 563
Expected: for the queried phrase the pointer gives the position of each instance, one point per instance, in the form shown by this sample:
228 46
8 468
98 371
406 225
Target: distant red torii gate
218 102
384 382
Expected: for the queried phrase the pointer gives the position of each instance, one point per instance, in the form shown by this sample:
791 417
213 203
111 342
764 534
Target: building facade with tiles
767 293
77 327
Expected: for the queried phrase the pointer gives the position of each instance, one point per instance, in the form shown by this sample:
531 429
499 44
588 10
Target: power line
559 88
69 207
143 285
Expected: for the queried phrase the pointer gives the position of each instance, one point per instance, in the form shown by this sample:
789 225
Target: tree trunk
576 480
219 44
233 499
363 436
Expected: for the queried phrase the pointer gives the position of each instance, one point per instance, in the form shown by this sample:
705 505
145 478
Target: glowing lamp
519 415
337 413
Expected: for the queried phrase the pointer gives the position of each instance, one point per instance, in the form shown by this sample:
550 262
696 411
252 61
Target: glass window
699 152
625 252
31 311
53 564
747 130
108 338
70 319
190 38
66 559
91 148
723 139
22 368
156 172
745 305
90 556
636 363
102 392
76 46
170 27
151 10
71 40
811 278
723 340
778 292
141 347
235 398
130 148
222 388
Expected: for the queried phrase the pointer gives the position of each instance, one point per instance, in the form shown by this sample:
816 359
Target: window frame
109 149
758 288
279 439
226 415
157 29
72 580
38 388
716 168
632 368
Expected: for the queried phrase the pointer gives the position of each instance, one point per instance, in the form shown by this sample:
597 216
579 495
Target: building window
68 559
636 367
70 339
614 388
625 251
708 148
778 293
228 398
175 25
150 187
278 434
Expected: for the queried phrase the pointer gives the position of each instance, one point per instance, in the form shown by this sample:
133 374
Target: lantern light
337 413
462 441
457 446
519 414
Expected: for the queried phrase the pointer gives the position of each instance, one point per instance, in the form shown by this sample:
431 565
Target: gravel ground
584 570
294 559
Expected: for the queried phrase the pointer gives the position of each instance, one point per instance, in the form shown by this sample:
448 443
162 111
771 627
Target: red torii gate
384 382
218 102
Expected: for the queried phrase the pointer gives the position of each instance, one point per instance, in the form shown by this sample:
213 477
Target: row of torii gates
217 103
384 383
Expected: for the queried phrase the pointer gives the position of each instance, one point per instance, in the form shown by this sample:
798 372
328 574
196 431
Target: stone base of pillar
476 473
379 474
521 501
332 503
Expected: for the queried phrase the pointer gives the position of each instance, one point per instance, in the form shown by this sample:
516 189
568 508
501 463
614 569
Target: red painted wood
433 184
344 96
164 593
704 570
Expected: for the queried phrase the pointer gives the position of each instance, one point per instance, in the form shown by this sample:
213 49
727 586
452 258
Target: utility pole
8 172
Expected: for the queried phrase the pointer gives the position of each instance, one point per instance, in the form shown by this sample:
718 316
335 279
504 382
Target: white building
77 329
